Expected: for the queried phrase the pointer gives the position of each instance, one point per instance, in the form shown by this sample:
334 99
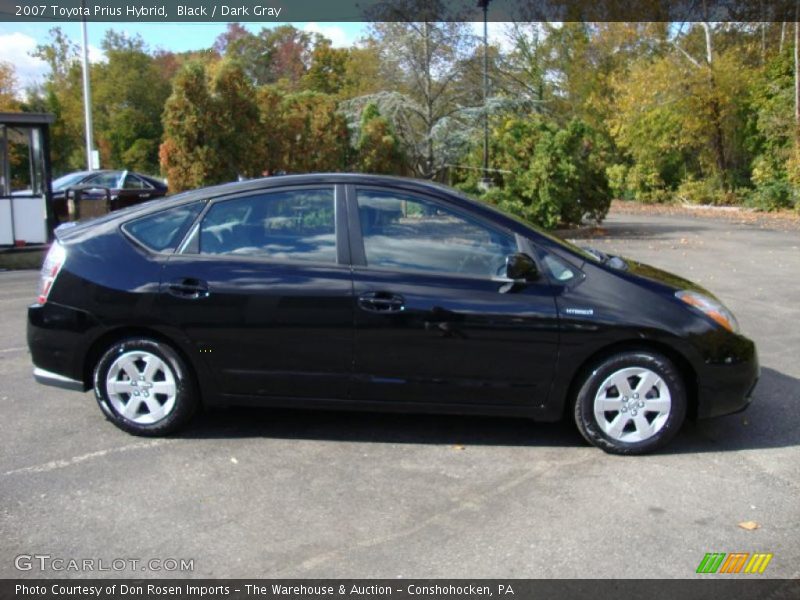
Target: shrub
772 195
552 175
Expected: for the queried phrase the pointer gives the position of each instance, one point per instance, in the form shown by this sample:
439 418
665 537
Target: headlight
711 308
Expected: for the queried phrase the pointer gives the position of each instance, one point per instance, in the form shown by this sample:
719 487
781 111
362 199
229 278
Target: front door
263 291
433 322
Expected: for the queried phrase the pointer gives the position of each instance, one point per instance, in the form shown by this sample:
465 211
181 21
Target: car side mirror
521 268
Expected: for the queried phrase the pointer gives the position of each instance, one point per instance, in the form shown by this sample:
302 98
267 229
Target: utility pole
87 97
486 181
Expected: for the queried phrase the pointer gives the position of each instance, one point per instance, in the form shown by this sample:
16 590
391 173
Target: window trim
190 244
358 250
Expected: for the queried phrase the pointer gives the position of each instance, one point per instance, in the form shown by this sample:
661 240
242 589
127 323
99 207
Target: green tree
210 124
8 87
378 150
61 94
328 70
236 121
189 152
551 175
129 97
314 134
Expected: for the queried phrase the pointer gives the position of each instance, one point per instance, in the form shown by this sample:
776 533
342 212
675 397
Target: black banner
740 588
396 10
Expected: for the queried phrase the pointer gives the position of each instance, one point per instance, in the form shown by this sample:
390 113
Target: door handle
188 288
381 302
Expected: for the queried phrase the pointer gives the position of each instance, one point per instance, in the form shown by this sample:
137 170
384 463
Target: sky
18 40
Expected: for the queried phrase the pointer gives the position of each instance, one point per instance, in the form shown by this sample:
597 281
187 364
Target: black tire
584 404
185 401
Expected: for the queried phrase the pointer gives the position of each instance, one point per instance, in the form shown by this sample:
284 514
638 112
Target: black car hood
665 278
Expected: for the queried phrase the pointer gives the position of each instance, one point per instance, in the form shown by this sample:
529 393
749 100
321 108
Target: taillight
52 265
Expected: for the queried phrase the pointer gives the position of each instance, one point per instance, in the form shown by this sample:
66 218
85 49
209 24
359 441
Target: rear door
262 286
433 324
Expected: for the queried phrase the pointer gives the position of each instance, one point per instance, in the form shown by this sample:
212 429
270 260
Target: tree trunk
709 48
783 37
428 101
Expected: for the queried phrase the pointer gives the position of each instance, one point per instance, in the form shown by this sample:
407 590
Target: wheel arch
683 365
103 342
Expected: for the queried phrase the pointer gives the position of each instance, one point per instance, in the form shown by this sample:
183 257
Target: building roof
23 118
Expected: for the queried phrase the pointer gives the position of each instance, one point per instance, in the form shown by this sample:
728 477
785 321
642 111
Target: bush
552 175
772 195
706 191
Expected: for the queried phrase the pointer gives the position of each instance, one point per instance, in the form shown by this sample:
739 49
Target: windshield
66 181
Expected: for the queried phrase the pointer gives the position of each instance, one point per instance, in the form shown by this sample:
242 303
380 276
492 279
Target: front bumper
726 387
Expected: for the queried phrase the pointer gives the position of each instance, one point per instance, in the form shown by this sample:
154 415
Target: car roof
305 178
264 183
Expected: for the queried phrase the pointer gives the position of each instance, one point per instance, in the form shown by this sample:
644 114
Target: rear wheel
631 403
144 387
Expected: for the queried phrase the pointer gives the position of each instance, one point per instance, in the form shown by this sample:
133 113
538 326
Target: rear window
162 231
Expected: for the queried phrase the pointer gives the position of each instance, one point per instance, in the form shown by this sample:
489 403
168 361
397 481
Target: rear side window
162 231
288 225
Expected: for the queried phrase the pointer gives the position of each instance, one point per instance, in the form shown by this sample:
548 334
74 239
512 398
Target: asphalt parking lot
266 493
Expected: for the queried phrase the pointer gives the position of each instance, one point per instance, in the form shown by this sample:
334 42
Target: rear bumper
59 338
54 379
726 387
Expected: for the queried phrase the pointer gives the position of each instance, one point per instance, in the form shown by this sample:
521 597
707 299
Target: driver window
410 233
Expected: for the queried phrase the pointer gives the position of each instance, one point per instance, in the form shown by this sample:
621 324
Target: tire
144 387
636 419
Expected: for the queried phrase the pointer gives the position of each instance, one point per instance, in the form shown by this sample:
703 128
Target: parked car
378 293
122 188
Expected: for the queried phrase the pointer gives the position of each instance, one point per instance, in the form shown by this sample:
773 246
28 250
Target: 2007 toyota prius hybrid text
376 293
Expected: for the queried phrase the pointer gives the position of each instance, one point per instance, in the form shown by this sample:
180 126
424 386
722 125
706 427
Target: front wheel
631 403
144 387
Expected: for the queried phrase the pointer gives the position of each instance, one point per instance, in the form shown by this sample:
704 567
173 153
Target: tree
188 154
62 95
682 120
363 72
129 95
236 121
8 87
279 54
314 134
377 147
551 175
328 70
424 58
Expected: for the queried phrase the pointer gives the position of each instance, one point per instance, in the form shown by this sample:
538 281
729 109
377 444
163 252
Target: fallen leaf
234 461
458 446
749 525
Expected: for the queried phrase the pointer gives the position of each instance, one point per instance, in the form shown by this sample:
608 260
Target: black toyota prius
376 293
